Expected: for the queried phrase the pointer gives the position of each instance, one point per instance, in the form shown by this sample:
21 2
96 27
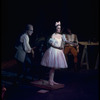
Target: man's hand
75 44
77 50
34 48
32 53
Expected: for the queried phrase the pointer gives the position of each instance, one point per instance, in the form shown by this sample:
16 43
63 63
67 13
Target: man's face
69 31
30 31
58 29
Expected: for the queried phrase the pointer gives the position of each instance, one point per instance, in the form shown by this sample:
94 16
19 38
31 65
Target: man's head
29 29
69 31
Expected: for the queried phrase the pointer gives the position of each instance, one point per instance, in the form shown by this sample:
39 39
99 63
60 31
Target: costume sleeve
53 41
27 45
64 38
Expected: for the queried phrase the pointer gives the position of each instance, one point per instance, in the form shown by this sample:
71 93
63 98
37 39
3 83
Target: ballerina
54 56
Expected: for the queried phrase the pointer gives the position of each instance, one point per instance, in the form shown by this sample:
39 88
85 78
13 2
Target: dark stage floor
81 85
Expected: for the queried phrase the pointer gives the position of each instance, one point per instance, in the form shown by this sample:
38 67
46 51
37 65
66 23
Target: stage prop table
85 54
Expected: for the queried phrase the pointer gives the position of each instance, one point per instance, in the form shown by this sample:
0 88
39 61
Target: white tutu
54 57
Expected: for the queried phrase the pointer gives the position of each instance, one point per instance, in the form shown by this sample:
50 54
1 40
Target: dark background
82 16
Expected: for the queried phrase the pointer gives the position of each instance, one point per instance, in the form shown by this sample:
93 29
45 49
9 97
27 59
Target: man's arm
76 40
26 44
64 38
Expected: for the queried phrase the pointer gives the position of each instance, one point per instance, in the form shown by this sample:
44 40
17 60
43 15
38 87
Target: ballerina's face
58 29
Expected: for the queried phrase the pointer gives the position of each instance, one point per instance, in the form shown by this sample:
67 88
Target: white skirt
54 58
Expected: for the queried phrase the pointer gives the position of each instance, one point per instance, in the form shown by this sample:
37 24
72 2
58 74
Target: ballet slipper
51 83
55 83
